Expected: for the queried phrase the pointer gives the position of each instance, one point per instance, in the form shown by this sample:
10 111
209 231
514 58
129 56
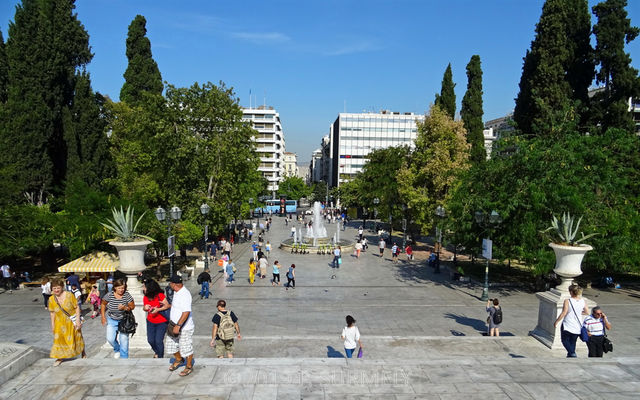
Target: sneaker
116 355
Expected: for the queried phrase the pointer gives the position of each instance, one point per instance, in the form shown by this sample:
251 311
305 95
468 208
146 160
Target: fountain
316 234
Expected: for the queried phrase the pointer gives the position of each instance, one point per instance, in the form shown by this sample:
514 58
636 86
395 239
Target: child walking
94 299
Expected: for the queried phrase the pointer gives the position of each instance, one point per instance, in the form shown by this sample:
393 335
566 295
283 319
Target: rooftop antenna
249 98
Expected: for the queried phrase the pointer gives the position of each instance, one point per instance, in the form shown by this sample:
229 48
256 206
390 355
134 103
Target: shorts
182 343
224 346
382 250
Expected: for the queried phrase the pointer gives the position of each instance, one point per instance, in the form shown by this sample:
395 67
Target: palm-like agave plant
122 225
567 229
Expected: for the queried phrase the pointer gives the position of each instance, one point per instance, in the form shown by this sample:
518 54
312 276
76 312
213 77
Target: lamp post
376 201
487 221
204 210
174 215
440 213
250 210
404 226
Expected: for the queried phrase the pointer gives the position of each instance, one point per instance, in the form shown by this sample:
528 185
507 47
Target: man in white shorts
182 345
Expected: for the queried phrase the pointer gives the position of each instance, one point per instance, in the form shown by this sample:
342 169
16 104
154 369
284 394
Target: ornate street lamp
204 210
175 214
376 201
487 221
404 226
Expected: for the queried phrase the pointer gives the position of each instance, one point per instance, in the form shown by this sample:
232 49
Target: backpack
168 293
226 327
497 316
102 285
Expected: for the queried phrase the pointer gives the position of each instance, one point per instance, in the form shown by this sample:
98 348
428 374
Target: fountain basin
345 245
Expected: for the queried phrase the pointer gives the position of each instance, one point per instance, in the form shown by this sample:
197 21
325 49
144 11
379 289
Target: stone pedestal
139 339
550 307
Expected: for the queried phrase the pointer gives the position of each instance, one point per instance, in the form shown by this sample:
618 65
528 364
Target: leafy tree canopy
294 188
446 100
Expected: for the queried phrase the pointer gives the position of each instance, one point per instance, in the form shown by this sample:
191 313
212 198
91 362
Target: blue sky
314 59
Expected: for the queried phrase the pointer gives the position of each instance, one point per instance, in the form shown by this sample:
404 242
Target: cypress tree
142 74
556 71
446 100
46 45
88 158
620 79
4 71
471 110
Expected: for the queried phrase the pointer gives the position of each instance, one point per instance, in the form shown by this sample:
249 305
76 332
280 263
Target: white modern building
354 135
269 143
490 136
290 164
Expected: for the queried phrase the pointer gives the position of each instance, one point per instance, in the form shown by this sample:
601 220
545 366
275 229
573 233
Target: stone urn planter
131 255
568 263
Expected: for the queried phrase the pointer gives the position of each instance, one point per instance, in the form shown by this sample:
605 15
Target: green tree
294 188
620 79
4 71
45 48
557 70
440 156
471 111
528 180
88 158
142 74
446 100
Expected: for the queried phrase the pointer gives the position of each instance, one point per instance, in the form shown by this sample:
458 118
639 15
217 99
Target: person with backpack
203 280
102 287
495 316
225 330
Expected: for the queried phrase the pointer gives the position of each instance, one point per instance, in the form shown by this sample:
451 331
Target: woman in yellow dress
252 271
67 336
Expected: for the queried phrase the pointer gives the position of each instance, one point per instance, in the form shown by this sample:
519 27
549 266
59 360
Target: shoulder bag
71 317
607 346
584 334
128 323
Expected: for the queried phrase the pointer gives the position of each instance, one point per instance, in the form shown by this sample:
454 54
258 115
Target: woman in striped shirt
114 305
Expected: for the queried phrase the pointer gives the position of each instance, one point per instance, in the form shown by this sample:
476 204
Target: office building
269 143
354 135
290 164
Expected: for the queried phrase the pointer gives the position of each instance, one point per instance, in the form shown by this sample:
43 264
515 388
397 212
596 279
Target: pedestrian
571 320
293 231
230 269
358 249
276 274
337 257
254 249
350 335
66 324
394 253
263 263
382 245
102 287
224 331
365 245
154 303
286 221
94 300
73 279
45 286
112 310
214 249
268 248
595 325
495 316
409 252
252 271
6 278
109 284
180 342
204 279
76 292
227 248
291 277
360 233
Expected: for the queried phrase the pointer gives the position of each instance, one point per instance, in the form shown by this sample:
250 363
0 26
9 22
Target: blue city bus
291 206
269 205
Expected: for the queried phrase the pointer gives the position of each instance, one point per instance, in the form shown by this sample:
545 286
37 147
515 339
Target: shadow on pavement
333 353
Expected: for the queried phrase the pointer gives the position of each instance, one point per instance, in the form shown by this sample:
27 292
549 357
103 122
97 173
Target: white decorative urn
131 255
568 263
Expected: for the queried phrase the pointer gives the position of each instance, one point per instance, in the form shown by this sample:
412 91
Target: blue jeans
230 279
119 341
349 352
335 262
204 290
155 337
569 341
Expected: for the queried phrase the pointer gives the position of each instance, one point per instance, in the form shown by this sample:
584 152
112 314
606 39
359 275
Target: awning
99 261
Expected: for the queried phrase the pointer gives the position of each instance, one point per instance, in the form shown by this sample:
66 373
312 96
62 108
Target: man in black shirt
204 279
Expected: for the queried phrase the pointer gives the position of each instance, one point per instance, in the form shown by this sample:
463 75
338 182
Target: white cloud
359 47
262 37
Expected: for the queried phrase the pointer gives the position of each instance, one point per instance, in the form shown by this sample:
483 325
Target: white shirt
572 322
46 288
382 244
358 246
351 336
5 271
181 303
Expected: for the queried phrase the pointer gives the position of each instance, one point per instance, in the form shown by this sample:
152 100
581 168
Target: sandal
57 363
175 365
186 371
